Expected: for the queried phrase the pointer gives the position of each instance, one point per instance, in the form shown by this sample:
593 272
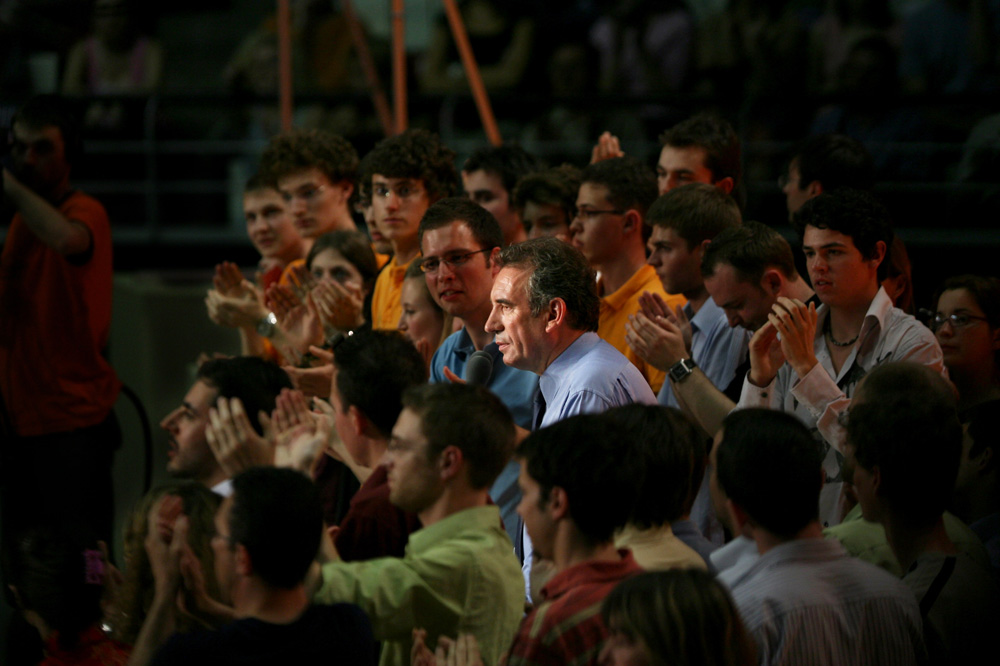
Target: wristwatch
682 369
266 325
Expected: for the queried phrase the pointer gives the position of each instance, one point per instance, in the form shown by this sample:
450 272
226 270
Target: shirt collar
875 317
590 572
705 316
478 519
618 299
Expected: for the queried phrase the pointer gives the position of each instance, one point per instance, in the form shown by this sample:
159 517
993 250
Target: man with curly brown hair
406 174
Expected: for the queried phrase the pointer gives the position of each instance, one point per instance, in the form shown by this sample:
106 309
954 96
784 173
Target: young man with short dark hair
702 149
489 177
407 173
822 354
825 163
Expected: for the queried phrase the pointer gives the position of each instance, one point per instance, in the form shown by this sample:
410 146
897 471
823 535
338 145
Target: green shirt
458 575
866 540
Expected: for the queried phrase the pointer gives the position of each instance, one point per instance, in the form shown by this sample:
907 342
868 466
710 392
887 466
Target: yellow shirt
615 311
386 297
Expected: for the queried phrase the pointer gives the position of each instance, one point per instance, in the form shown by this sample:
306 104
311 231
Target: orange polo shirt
615 311
386 297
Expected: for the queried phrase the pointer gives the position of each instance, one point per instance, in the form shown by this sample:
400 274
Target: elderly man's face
520 335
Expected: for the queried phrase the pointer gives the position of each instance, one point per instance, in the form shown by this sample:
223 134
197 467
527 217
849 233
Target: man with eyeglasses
407 173
808 360
461 244
609 229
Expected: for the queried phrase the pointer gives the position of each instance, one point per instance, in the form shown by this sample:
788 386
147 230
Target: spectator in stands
459 573
577 489
254 381
316 172
684 221
823 163
904 442
423 321
408 173
967 326
544 318
132 600
609 228
57 576
270 228
546 201
267 536
746 269
665 444
489 177
682 618
461 244
805 599
813 370
701 149
371 372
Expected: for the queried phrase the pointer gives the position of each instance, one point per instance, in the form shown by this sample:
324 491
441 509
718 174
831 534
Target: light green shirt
457 575
866 540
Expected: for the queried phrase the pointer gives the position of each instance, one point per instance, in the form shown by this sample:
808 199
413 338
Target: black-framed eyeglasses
452 260
957 320
591 213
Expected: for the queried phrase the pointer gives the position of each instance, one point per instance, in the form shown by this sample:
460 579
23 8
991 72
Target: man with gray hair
544 319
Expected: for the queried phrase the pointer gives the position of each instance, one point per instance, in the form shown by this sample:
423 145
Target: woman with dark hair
967 326
57 578
678 617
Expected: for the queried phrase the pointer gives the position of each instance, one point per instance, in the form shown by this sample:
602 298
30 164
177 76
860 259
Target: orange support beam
472 73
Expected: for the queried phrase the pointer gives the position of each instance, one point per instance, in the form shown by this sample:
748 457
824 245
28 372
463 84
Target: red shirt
92 648
55 315
566 628
374 526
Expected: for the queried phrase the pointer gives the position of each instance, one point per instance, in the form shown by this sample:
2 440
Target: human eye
430 265
404 191
381 190
457 259
317 273
341 274
960 319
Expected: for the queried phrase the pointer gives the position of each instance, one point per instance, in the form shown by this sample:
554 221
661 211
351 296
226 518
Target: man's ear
726 184
493 259
771 281
558 504
348 190
359 423
996 338
876 479
878 254
450 462
814 189
557 314
631 222
983 461
244 564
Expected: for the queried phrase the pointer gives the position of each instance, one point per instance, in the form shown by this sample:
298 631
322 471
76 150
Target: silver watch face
266 325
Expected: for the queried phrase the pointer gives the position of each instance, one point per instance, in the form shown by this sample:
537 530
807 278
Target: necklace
829 335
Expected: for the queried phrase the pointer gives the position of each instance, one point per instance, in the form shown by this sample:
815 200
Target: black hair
854 213
54 111
481 223
558 186
770 465
470 418
716 137
419 155
904 420
583 455
630 183
253 380
258 182
696 212
557 270
836 161
750 249
374 369
509 162
353 246
277 516
665 444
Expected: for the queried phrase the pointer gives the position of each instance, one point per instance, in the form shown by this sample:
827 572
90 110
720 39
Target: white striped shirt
807 602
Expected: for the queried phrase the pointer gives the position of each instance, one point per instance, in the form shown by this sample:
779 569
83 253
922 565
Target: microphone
479 368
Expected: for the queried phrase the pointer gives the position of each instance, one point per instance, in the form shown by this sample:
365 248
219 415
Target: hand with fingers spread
166 519
313 382
302 436
339 306
197 602
655 307
297 318
228 279
606 148
234 442
766 356
659 342
301 281
420 654
796 322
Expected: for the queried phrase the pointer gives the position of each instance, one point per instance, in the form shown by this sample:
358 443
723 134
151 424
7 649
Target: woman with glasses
967 326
